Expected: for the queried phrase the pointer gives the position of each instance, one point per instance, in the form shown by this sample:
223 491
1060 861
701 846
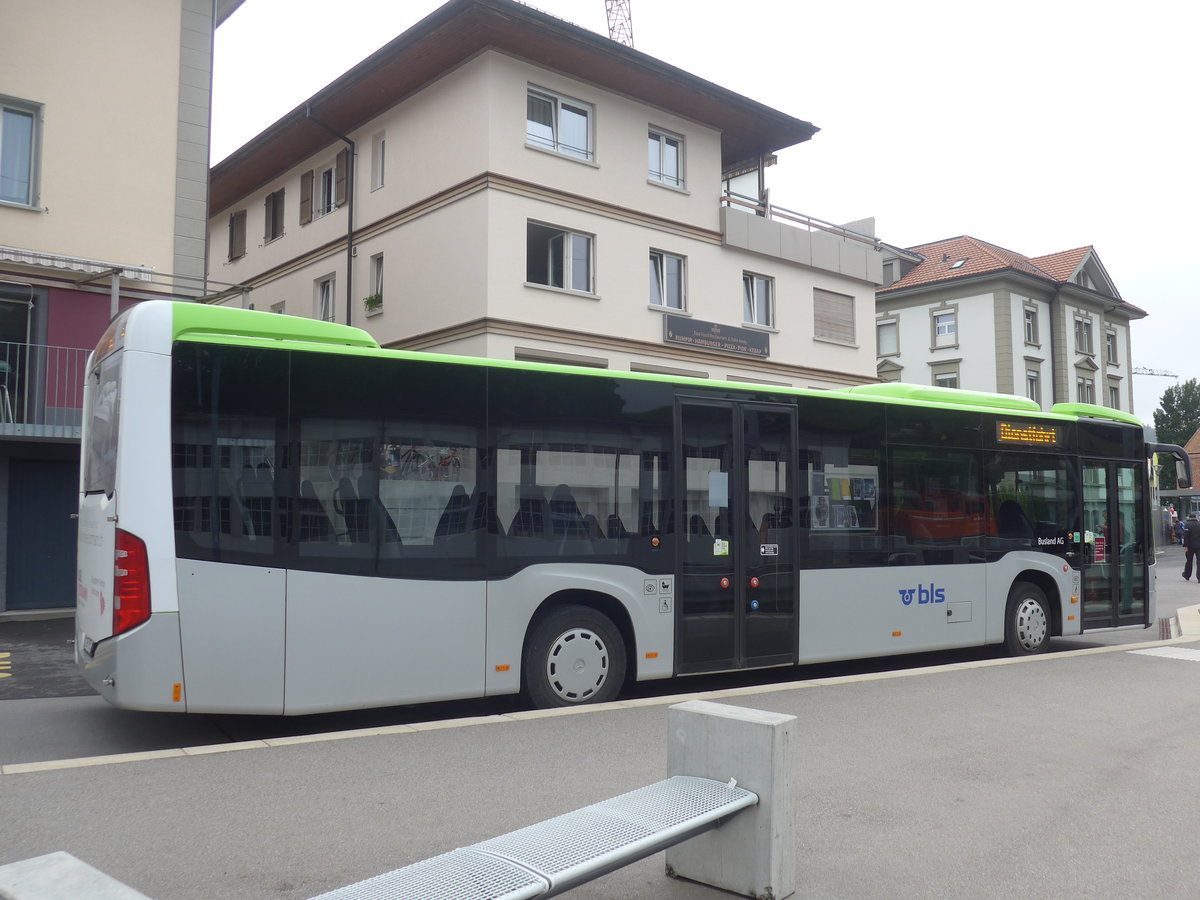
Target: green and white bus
279 517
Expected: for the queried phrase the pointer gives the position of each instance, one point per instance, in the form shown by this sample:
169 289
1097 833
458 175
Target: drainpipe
1053 355
349 209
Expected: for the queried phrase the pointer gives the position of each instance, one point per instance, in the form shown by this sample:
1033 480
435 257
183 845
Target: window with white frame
375 298
666 158
1033 385
325 191
833 316
1110 348
1031 325
273 218
946 379
1114 396
758 300
887 338
1085 389
1083 335
558 258
945 328
666 280
558 123
324 298
19 151
378 148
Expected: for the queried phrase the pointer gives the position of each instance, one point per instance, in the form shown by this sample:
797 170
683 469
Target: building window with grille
758 300
1033 386
1110 348
324 298
1085 389
666 280
557 258
666 158
1083 335
833 317
273 218
945 327
559 124
1114 396
1031 326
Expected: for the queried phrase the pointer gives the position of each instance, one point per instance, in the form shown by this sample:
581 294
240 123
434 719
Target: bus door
1112 546
736 591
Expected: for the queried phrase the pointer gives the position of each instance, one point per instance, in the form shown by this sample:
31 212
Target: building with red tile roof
962 312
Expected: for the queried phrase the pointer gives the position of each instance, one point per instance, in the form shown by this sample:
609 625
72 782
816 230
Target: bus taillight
131 583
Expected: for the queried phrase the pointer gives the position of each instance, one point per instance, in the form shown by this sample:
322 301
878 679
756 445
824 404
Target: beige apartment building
104 118
498 182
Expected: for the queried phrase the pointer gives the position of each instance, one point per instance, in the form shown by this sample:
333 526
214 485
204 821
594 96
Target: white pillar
754 853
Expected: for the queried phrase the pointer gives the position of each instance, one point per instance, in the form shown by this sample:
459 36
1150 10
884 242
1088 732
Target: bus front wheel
1026 620
574 655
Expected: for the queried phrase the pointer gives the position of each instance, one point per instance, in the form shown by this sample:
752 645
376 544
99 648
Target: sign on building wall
714 336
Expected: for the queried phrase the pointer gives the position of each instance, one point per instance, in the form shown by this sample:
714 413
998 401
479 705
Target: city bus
277 516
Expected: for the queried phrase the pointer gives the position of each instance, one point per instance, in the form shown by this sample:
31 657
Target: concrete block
59 875
754 853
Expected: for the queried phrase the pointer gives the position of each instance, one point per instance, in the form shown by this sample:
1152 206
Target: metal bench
554 856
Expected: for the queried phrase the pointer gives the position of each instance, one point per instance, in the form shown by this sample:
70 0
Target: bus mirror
1183 467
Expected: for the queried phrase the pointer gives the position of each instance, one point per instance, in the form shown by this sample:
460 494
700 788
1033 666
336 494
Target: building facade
498 182
104 117
963 313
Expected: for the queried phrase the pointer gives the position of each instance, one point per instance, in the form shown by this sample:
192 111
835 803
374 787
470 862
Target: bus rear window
100 454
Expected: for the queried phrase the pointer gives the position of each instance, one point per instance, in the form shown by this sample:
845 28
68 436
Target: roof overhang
463 28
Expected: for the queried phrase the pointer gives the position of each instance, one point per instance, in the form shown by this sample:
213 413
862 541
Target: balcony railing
799 220
41 390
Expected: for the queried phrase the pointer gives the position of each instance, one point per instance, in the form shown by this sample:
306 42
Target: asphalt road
48 711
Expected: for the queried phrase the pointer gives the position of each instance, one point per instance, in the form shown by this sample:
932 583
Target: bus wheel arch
593 625
1031 617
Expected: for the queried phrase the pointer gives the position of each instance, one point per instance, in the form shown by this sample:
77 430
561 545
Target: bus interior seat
566 521
1011 522
314 522
530 520
455 516
616 528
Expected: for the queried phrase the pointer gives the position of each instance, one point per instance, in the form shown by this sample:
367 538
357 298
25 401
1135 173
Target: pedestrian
1179 531
1191 539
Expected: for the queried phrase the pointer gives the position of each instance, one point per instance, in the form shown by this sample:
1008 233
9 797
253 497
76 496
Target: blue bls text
922 594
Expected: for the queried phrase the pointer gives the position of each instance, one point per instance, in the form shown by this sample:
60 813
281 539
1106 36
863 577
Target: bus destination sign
712 336
1027 433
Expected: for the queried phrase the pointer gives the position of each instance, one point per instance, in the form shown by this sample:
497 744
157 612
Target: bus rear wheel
1026 620
575 655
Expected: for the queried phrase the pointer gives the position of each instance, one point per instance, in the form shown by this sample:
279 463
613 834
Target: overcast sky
1037 126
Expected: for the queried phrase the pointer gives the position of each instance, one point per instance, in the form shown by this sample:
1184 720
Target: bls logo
922 594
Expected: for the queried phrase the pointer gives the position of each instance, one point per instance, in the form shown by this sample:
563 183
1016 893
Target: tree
1177 418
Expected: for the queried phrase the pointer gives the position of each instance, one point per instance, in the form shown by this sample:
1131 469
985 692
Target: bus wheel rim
577 665
1031 624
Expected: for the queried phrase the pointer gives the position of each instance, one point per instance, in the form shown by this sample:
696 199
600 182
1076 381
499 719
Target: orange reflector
1070 618
897 633
653 654
1074 599
502 668
177 692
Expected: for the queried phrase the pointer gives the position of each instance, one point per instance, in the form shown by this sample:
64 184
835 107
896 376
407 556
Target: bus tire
1026 620
575 655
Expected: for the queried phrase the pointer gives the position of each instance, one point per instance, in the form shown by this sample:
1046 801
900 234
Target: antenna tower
620 21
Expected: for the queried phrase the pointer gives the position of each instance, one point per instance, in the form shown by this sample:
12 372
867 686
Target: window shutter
833 316
306 191
237 235
339 178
